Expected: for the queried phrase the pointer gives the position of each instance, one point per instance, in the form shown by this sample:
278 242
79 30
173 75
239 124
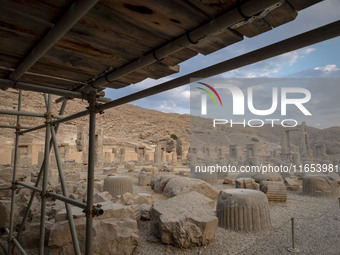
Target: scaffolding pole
13 127
21 227
17 244
54 195
90 172
65 193
45 176
30 114
15 167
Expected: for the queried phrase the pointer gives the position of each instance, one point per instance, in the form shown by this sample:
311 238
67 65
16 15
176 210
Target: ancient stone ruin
243 210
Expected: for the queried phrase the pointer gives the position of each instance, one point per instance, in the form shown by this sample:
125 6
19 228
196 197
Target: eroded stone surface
186 220
178 186
111 236
243 210
247 183
158 182
319 185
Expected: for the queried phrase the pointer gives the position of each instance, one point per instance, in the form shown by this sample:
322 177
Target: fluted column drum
118 185
243 210
320 186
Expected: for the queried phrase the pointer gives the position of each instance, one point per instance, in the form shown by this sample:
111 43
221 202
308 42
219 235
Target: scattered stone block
319 186
111 210
118 185
145 210
177 186
228 181
7 192
184 221
272 176
293 183
144 178
111 236
184 174
243 210
130 166
5 210
153 170
158 182
247 183
139 199
166 168
102 197
275 191
210 178
110 170
30 237
261 176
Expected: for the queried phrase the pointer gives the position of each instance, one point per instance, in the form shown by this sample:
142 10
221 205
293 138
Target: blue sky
319 60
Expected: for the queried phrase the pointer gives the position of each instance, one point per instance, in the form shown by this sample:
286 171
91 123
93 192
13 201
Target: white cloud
309 50
327 68
168 106
269 67
327 71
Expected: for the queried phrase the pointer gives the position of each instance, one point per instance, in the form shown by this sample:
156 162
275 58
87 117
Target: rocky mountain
129 125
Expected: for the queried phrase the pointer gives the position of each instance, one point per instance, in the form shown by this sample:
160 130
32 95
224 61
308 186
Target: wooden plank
74 61
93 41
9 61
117 84
176 16
45 10
59 71
217 42
4 74
154 71
179 56
302 4
256 27
113 25
214 8
14 45
158 70
21 25
281 15
48 82
129 79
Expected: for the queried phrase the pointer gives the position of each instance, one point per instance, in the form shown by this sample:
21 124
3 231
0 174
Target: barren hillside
129 124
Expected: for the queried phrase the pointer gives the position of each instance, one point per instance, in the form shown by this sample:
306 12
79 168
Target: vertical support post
45 175
90 174
65 193
15 167
22 225
293 249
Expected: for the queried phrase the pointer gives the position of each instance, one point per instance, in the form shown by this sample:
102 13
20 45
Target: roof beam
77 10
68 94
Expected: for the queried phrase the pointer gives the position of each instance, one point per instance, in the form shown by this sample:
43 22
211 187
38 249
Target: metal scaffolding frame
311 37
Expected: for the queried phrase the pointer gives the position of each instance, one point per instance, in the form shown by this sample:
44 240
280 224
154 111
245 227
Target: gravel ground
317 230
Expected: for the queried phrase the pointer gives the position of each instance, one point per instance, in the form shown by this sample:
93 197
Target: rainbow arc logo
209 93
204 98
